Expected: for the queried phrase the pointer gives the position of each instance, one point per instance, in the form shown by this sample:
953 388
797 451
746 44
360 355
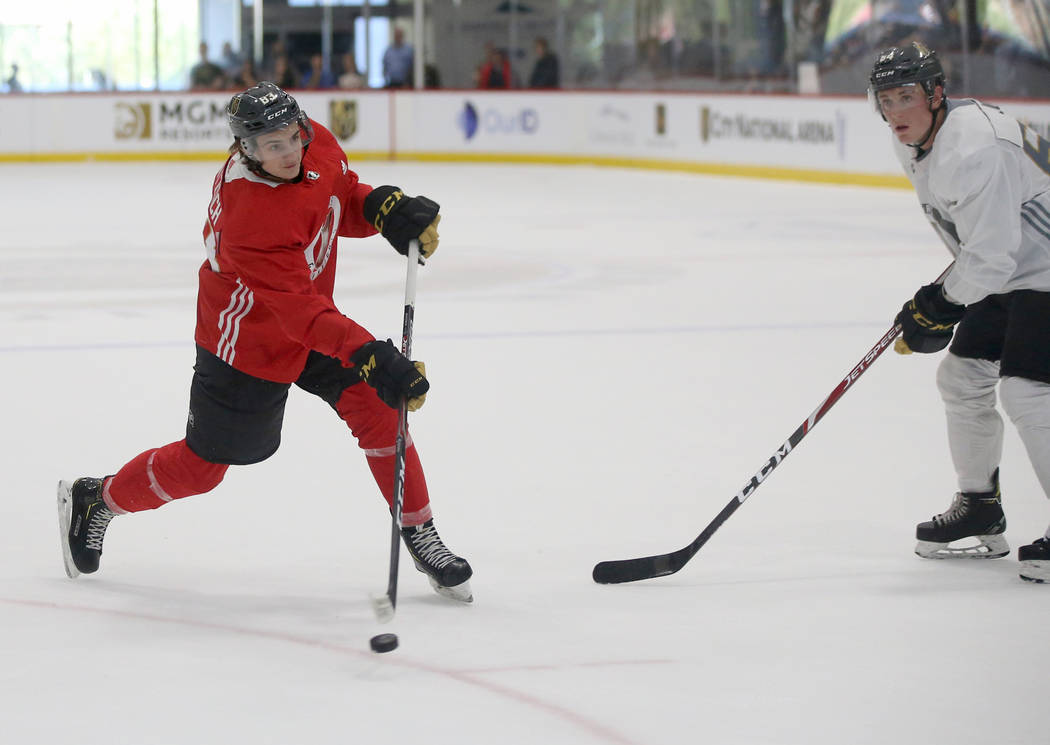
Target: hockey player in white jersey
983 180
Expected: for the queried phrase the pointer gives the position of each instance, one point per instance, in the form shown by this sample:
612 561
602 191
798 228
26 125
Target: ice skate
449 574
82 519
1035 561
976 515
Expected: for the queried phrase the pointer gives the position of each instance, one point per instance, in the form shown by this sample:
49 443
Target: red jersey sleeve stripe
241 301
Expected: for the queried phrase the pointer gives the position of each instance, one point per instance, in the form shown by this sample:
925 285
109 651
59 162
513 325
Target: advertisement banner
752 133
468 121
774 131
360 120
771 131
111 124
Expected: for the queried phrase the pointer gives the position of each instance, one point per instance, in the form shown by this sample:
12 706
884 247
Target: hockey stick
648 567
385 605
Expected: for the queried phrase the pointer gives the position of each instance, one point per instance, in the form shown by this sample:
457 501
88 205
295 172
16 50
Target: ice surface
613 353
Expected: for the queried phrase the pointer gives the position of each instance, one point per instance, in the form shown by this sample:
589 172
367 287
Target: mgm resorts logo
715 125
133 121
192 120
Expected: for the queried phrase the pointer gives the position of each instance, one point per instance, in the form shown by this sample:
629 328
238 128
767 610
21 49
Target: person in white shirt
983 180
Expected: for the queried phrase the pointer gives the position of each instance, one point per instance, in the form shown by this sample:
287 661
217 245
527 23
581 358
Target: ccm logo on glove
402 219
393 375
927 321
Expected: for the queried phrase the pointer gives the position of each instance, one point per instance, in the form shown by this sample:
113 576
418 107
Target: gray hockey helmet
264 108
915 63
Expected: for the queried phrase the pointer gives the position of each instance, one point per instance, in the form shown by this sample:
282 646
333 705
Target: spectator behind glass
495 71
431 76
397 62
486 54
206 75
231 61
545 73
13 86
318 76
284 74
277 49
772 37
351 78
245 76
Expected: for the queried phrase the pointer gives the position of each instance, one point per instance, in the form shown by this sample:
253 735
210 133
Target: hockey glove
927 321
392 374
401 219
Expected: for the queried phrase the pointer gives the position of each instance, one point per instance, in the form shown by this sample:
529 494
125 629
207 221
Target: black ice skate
1035 561
449 574
977 515
82 520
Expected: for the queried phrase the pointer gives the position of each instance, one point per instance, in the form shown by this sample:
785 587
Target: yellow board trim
218 155
715 169
718 169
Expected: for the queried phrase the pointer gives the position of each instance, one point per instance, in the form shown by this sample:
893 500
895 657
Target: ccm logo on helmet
276 114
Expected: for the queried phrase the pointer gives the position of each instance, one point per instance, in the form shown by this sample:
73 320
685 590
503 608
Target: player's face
907 111
280 152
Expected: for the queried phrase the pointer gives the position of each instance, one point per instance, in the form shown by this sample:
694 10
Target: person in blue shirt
318 76
397 62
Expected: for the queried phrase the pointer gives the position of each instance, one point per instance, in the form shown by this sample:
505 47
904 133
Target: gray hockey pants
975 429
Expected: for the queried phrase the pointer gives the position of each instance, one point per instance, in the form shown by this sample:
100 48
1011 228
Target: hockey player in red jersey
266 320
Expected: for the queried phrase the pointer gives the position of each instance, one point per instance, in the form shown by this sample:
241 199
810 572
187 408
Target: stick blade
383 607
632 570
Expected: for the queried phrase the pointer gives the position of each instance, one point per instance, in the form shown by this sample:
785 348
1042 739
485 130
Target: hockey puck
383 643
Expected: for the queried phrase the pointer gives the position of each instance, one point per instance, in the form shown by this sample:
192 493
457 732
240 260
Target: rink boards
836 139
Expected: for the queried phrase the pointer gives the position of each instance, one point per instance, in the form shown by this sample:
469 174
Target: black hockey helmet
913 64
264 108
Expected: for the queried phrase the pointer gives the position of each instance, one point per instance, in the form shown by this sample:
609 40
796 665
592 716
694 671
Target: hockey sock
416 507
158 476
374 424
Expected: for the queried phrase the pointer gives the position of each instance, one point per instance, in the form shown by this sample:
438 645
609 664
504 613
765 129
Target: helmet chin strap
919 152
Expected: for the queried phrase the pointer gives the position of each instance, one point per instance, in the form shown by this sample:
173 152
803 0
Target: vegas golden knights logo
133 121
342 118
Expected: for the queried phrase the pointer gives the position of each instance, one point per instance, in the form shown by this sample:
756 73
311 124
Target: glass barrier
990 48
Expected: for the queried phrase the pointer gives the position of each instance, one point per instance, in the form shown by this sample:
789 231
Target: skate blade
989 547
1035 570
65 515
460 593
383 608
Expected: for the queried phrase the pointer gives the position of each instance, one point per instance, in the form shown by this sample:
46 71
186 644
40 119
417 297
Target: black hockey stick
385 605
648 567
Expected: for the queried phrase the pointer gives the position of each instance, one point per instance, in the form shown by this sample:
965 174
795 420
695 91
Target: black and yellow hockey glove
927 321
401 218
393 375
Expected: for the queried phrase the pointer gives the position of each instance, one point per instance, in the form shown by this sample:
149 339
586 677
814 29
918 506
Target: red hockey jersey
265 293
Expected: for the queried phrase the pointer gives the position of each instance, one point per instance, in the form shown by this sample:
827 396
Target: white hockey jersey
985 188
